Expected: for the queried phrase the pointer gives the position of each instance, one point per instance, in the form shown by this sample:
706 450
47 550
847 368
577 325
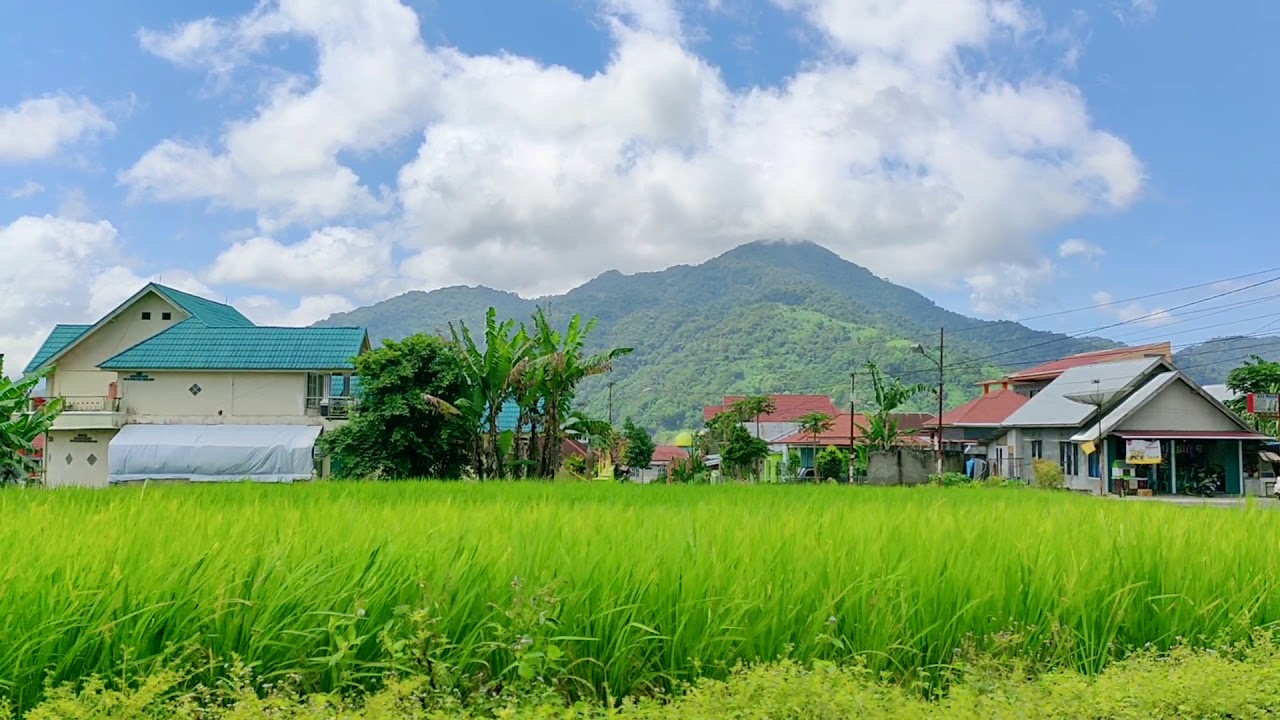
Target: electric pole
942 336
610 403
853 415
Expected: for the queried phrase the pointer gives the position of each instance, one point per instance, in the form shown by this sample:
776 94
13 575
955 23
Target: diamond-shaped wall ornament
92 460
194 389
69 458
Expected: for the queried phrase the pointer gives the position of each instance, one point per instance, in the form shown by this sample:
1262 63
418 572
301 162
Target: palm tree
814 424
20 425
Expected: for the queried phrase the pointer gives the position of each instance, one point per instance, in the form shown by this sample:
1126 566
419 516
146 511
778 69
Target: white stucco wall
1178 407
79 471
76 373
223 397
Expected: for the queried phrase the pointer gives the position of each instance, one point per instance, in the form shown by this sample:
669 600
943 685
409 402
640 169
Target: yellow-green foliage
1048 475
1182 684
603 590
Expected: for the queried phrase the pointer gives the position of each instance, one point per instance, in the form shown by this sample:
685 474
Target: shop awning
210 453
1190 435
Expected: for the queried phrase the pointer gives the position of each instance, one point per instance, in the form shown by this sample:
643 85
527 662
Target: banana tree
561 366
492 375
881 430
20 425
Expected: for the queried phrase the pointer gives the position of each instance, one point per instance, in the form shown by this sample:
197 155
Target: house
1032 380
663 457
845 428
1137 424
785 418
170 385
977 421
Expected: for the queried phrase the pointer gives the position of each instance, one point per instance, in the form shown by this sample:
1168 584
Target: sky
303 157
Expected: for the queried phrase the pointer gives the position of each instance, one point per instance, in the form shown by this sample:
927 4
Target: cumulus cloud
71 258
39 128
1005 290
534 177
331 259
1075 247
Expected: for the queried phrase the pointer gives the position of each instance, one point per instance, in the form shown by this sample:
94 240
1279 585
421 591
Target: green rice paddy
605 591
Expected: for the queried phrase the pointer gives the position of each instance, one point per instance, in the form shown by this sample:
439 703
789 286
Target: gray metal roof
1051 408
1130 405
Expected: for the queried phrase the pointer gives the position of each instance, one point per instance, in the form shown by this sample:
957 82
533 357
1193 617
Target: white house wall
227 397
76 373
77 458
1179 408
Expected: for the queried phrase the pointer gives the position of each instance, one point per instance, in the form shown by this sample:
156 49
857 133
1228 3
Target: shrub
951 479
1049 475
576 464
833 464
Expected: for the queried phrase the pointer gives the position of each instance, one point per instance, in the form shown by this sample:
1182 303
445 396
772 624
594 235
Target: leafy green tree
561 364
20 425
832 464
638 454
813 425
399 428
751 408
490 377
881 430
1254 376
742 452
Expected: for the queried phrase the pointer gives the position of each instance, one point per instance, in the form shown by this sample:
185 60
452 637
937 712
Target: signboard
1142 452
1264 403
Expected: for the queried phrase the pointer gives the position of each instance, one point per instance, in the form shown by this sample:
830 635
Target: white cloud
68 259
1075 247
39 128
268 311
533 177
30 188
1006 290
1135 11
1134 312
331 259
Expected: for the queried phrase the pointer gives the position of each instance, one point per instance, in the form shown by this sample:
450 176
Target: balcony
333 408
86 412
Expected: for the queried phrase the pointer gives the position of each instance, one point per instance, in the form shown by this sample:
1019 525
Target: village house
1129 425
172 386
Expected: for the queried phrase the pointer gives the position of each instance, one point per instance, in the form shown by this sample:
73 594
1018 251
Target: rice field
605 591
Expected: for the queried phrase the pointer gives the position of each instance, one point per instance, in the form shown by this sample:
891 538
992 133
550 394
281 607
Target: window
1095 464
1068 458
146 316
1037 449
166 316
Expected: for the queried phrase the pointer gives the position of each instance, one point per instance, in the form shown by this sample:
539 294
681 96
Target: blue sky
304 157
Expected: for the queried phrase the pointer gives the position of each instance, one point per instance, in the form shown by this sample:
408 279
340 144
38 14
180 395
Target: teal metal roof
58 340
508 416
212 314
192 345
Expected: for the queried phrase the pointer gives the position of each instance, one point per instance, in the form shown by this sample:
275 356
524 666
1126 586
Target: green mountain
1210 362
765 317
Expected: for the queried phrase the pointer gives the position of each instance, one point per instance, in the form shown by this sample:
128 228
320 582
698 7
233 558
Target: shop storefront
1186 463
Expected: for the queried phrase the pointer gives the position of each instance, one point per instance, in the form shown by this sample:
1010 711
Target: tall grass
606 590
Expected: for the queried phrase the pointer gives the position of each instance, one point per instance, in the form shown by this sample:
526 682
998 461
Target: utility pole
942 337
610 403
853 414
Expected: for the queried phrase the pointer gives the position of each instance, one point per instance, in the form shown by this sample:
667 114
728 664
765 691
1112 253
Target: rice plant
604 591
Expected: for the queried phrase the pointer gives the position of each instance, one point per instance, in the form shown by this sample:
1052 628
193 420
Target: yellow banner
1088 448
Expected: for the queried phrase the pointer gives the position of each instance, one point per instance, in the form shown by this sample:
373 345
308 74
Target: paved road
1265 502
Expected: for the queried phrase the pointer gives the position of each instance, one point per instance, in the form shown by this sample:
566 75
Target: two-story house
174 386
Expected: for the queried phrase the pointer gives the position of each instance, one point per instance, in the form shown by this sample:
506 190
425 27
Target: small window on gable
146 316
166 316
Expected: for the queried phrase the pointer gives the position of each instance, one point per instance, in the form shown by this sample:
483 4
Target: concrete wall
1052 440
223 397
76 372
909 466
77 458
1178 407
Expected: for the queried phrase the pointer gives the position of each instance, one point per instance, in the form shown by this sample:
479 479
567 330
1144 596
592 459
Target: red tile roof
989 409
667 453
839 433
1051 370
787 408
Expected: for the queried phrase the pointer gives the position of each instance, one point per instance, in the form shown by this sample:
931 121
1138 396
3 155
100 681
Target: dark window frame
166 316
146 315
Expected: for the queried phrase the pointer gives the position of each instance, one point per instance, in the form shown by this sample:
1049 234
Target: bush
576 464
833 464
1048 475
951 479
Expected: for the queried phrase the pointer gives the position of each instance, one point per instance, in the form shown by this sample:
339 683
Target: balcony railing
334 408
82 403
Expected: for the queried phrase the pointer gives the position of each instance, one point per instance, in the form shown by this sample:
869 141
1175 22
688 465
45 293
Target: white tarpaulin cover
204 453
